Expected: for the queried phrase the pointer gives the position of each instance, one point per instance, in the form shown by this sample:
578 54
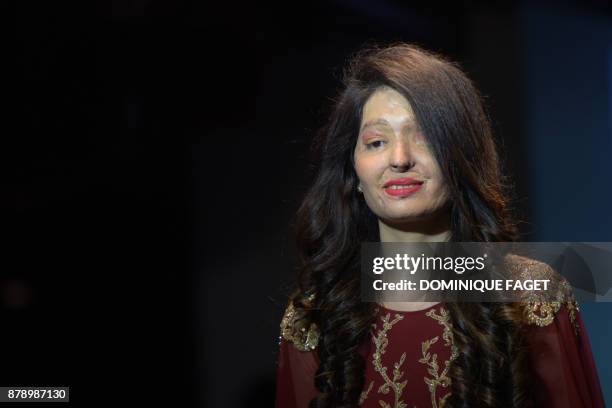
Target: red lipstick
402 187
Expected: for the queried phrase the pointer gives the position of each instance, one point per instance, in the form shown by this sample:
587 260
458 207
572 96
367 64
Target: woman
408 156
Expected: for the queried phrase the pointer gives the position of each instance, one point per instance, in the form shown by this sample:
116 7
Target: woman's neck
435 230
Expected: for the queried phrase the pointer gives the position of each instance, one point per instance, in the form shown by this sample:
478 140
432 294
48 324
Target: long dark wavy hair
333 220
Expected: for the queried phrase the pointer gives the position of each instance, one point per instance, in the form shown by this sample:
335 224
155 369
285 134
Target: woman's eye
375 144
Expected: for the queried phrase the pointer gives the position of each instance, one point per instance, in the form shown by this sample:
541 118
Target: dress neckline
411 311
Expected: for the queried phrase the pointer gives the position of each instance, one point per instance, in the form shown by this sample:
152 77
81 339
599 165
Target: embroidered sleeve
304 336
538 311
542 313
297 362
560 354
558 345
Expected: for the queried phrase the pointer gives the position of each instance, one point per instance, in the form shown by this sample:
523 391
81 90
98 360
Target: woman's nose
401 159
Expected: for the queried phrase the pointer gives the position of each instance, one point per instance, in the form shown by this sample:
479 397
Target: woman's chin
402 217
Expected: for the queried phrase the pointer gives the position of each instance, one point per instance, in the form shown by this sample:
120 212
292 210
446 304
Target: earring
359 188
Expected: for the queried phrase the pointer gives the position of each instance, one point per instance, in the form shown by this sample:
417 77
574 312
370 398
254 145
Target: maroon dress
409 354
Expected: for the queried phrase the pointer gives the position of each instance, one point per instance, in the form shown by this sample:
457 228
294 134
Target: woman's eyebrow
376 122
410 124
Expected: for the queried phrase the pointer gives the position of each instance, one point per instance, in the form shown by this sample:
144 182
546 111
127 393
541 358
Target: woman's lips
402 182
402 187
402 190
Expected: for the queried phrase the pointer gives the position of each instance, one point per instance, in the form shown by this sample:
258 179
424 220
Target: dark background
154 154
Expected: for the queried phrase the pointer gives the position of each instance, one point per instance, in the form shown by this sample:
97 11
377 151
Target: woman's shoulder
297 326
540 310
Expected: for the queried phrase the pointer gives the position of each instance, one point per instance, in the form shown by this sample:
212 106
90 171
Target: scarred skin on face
391 146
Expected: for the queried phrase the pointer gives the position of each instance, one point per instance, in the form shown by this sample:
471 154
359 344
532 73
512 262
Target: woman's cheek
369 167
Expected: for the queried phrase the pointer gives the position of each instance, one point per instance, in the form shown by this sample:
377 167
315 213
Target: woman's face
390 151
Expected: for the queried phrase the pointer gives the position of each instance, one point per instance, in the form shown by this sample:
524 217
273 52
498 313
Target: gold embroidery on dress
439 378
573 308
539 311
381 341
542 313
364 394
302 338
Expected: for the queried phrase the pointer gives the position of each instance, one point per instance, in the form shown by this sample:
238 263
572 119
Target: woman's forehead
387 107
386 103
